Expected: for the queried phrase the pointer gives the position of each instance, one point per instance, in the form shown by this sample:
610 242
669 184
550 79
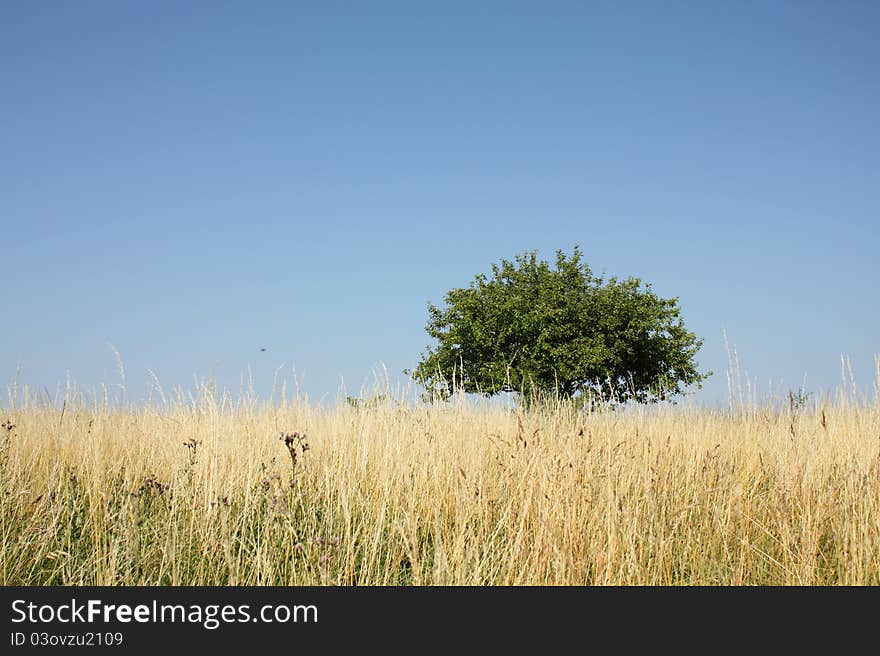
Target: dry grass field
211 493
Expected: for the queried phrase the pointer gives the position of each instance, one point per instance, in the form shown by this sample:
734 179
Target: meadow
220 492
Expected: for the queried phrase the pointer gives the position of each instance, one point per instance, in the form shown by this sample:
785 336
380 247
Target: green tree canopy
532 328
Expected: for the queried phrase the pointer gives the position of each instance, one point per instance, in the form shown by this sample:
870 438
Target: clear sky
192 182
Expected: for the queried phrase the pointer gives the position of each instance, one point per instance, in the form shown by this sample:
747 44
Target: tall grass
210 492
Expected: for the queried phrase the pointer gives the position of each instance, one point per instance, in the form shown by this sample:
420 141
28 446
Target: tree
531 328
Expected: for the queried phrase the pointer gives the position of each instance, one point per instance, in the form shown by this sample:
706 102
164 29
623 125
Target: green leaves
533 328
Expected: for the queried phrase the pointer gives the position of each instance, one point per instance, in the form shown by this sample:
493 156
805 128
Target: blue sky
192 182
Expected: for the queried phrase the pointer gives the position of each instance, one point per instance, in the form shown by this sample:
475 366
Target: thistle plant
294 441
150 486
7 427
192 445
